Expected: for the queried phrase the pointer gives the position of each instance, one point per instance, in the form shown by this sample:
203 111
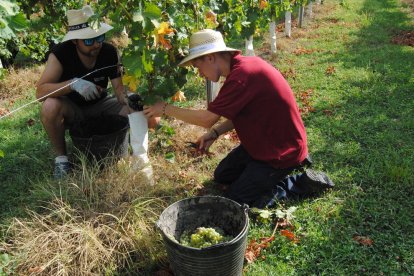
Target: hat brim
187 60
87 32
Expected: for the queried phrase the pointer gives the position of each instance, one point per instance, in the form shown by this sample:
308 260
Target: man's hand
204 142
86 89
156 110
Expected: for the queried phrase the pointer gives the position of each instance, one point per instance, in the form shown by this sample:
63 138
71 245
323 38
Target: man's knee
50 108
54 109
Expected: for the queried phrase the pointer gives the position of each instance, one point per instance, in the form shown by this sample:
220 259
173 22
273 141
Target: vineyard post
288 23
309 9
249 46
301 15
272 33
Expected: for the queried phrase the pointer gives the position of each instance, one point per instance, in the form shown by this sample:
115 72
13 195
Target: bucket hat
78 26
205 42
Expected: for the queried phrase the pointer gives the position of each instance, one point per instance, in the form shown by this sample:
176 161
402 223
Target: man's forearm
223 127
46 90
203 118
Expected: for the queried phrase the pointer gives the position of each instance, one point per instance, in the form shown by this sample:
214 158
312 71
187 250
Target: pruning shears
192 144
195 146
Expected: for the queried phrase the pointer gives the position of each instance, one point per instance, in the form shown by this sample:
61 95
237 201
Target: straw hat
79 27
205 42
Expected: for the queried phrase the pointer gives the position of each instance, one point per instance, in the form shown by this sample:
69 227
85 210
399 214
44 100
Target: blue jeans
249 179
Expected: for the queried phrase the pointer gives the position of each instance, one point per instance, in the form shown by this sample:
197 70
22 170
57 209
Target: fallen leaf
363 240
306 106
3 111
254 248
182 174
333 20
330 70
302 51
290 73
290 235
404 38
30 122
327 112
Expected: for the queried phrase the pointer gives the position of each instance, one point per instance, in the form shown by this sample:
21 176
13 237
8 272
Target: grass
355 89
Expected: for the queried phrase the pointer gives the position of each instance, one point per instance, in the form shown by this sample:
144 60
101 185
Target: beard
93 52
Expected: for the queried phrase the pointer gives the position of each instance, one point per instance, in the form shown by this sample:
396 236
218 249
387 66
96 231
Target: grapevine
158 32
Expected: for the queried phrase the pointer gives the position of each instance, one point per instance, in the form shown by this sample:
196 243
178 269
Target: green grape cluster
203 237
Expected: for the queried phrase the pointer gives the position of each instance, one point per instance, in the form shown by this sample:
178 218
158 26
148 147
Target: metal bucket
209 211
101 137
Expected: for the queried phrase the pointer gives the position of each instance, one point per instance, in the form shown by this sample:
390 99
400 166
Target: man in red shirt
258 103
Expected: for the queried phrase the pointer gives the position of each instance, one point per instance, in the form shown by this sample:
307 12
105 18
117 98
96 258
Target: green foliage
34 45
164 135
30 27
158 32
158 38
3 73
12 21
6 264
267 215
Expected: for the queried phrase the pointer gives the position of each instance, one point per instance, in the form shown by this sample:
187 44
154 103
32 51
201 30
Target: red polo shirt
261 105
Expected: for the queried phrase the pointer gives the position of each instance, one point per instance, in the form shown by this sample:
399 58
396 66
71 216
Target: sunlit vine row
158 31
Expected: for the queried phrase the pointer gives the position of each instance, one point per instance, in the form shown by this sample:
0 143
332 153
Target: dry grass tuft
17 83
67 241
63 242
105 224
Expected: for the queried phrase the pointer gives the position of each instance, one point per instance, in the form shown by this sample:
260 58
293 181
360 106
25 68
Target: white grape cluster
203 237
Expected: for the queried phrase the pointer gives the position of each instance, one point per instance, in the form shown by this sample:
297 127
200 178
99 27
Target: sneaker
61 170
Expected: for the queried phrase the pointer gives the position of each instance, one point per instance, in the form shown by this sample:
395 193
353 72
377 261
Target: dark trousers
249 179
